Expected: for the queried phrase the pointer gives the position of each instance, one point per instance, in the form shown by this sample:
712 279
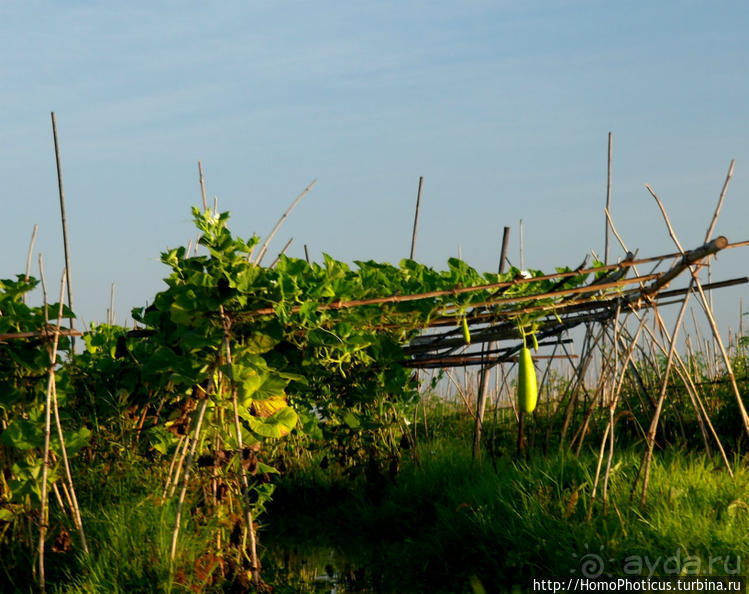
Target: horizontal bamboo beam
40 334
563 292
714 246
468 361
689 258
585 310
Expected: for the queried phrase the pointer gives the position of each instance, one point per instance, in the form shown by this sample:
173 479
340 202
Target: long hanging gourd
466 331
527 387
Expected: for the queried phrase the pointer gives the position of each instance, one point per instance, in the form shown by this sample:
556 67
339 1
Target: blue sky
503 107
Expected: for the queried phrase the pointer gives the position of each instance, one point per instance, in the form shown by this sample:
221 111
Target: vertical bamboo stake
185 479
111 306
612 408
47 426
608 199
28 256
705 304
741 318
173 478
64 227
724 354
648 457
68 474
416 218
202 187
485 369
306 253
242 471
522 250
689 385
503 254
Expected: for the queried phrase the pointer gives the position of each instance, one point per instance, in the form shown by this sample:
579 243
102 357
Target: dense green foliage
237 373
228 359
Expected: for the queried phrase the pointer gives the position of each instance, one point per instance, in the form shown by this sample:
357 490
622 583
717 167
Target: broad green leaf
6 515
351 420
23 435
277 425
74 441
266 469
268 406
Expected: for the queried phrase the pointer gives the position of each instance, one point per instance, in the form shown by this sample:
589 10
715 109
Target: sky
503 107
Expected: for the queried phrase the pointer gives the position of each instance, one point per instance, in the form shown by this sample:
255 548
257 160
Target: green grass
442 526
129 537
445 525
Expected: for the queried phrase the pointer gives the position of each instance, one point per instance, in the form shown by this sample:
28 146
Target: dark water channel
319 569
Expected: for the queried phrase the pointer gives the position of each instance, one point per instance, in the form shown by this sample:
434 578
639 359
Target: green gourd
527 389
466 332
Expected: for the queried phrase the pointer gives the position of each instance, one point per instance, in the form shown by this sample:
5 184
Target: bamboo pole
28 256
680 371
282 252
171 476
111 306
686 375
660 281
608 199
648 457
717 340
201 179
68 473
185 479
461 290
724 354
612 419
242 470
416 218
721 198
586 358
47 430
503 251
48 331
284 216
64 227
486 368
